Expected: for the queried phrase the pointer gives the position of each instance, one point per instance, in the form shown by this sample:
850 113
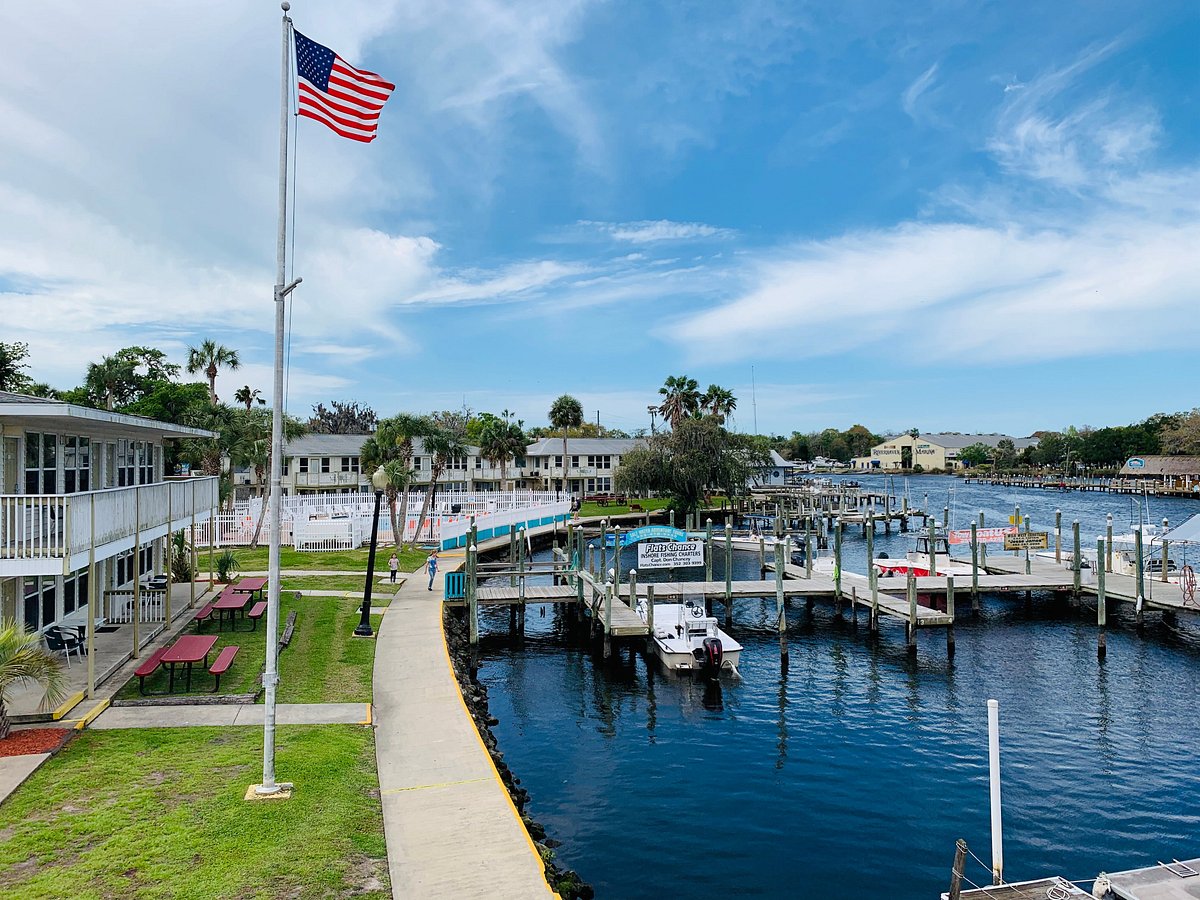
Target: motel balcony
329 479
54 534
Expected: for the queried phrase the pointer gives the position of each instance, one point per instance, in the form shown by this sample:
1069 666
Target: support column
94 595
137 576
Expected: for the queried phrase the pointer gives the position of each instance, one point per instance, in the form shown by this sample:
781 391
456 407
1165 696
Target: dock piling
837 565
950 613
1108 546
974 567
780 610
617 553
650 609
956 871
472 603
728 574
912 613
708 551
1058 536
993 708
608 595
1075 554
1165 548
1101 604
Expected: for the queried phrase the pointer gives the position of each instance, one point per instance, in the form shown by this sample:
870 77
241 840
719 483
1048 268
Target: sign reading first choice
669 554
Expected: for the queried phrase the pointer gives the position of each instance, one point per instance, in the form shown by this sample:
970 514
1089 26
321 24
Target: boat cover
1187 533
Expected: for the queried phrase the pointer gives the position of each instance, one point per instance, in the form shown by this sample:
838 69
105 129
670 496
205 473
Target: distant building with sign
930 451
1175 472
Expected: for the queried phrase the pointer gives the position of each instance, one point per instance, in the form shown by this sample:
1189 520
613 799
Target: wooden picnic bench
148 668
257 611
221 664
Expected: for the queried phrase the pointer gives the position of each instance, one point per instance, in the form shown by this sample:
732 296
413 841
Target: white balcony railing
329 479
57 526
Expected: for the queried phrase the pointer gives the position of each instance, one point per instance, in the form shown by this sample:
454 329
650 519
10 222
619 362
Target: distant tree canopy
857 440
695 458
349 417
13 366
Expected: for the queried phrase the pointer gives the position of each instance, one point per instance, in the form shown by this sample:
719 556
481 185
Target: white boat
685 639
1124 554
920 562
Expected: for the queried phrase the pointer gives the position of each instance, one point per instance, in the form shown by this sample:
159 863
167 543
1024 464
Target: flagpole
271 674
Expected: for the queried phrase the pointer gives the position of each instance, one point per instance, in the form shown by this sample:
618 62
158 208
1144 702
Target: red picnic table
251 586
233 601
189 649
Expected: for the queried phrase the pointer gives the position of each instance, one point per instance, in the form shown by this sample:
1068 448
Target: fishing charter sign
670 554
984 535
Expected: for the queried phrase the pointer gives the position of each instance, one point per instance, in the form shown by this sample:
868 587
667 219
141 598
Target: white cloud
917 89
648 232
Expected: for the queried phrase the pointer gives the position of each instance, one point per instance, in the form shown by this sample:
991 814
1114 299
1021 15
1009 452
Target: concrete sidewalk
15 769
233 714
452 830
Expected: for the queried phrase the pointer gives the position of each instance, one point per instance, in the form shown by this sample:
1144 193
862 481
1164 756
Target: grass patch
381 590
321 665
255 560
648 505
158 813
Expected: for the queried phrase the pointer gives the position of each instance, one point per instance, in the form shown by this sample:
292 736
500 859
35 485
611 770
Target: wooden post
808 554
1101 604
837 564
608 592
956 873
650 609
780 608
472 596
633 598
192 554
728 574
617 553
950 613
1028 564
945 517
708 557
974 567
603 547
762 555
1139 574
912 612
1108 545
873 583
512 556
981 518
1075 555
854 603
671 516
1017 521
521 546
1058 536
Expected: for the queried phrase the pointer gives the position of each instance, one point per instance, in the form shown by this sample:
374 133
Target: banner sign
647 533
1136 462
669 554
1027 540
985 535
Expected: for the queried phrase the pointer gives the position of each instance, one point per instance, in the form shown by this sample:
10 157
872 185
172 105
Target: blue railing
456 586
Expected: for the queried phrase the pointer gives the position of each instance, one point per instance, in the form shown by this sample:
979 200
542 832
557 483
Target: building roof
1154 466
326 445
778 462
37 410
552 446
955 441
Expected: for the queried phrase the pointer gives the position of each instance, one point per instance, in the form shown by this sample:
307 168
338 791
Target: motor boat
929 556
686 639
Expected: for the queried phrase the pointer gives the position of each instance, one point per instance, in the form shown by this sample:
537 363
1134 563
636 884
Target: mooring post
671 516
617 553
603 547
808 554
1139 580
993 708
780 609
1165 549
837 564
1058 536
1109 545
950 613
974 567
472 599
650 609
854 603
956 872
912 612
590 562
1075 554
728 574
608 592
981 518
633 597
1101 604
708 556
873 584
870 550
1016 520
512 556
1028 564
945 517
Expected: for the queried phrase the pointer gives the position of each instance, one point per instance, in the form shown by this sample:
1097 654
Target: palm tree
23 658
718 402
392 447
500 440
446 440
209 357
681 398
565 412
249 397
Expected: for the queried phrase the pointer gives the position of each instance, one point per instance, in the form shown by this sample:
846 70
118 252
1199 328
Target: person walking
393 566
432 563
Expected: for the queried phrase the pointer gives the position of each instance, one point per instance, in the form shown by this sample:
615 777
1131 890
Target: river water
852 774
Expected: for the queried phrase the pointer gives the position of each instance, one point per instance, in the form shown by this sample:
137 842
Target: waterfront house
591 465
930 451
1175 473
85 509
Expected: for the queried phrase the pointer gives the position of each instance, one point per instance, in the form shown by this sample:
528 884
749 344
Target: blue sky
969 217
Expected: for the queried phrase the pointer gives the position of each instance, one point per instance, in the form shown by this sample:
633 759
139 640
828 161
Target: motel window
558 462
324 465
349 463
479 462
574 462
519 462
32 592
146 462
284 472
302 465
41 463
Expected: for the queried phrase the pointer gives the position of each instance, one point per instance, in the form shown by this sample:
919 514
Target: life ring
696 612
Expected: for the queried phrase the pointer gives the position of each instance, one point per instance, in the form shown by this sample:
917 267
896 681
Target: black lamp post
380 481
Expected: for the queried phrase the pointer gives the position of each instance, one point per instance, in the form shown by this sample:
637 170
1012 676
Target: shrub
227 564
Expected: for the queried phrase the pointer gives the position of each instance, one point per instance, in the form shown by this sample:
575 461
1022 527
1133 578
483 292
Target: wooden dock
1024 890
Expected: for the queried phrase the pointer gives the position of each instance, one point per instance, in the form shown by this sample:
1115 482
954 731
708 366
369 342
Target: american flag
332 91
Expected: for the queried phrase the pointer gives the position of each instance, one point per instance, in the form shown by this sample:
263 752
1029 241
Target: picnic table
189 649
252 586
233 601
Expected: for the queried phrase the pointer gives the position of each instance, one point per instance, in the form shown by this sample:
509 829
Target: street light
379 480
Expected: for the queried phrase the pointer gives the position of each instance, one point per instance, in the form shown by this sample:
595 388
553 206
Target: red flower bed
33 740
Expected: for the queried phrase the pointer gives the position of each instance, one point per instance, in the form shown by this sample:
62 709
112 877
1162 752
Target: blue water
853 774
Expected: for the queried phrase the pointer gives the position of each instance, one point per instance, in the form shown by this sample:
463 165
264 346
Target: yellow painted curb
71 702
91 716
492 765
367 720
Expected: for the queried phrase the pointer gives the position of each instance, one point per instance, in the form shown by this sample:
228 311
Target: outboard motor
714 654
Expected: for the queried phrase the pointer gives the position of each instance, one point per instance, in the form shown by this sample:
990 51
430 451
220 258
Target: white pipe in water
994 771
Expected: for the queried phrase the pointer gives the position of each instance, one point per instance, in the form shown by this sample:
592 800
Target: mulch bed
33 740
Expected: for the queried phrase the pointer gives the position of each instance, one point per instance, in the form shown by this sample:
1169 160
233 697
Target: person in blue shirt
432 563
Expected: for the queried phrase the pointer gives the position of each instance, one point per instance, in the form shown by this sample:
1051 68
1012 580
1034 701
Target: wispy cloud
917 89
649 232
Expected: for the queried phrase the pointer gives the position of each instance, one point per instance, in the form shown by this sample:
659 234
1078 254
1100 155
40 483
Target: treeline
1163 434
857 440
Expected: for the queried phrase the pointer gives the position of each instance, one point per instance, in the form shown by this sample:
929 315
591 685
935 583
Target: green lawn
351 583
323 664
159 813
350 560
595 509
